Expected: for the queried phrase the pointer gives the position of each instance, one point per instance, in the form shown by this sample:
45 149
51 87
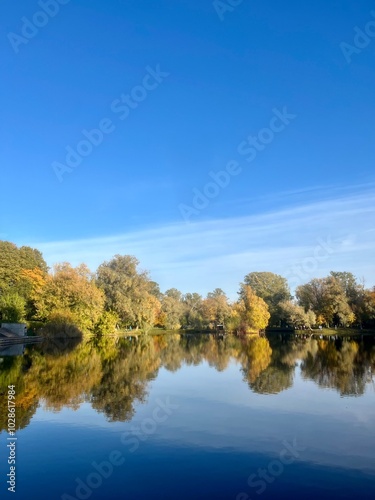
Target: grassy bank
340 332
158 331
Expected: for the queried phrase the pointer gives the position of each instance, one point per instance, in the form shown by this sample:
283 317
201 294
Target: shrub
12 307
106 324
61 324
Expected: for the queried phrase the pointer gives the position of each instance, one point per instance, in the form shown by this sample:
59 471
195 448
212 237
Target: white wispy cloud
218 253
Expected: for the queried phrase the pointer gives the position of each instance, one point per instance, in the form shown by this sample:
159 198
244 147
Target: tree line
75 300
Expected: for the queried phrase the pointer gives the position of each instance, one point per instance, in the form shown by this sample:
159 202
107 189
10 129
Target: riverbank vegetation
118 296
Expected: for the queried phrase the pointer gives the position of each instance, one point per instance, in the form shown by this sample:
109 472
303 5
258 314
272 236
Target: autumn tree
31 282
15 284
31 258
192 309
172 310
216 308
348 283
364 308
295 315
272 288
327 298
128 292
252 309
148 312
107 323
71 290
357 296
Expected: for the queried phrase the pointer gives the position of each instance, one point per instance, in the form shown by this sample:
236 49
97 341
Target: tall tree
295 315
128 292
71 290
192 306
252 309
272 288
355 294
364 308
10 266
32 258
172 310
14 263
216 308
326 297
12 307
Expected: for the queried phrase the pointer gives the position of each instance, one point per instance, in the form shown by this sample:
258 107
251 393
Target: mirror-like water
191 417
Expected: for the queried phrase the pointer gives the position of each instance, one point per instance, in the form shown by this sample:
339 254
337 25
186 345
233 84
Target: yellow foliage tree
36 277
252 310
72 290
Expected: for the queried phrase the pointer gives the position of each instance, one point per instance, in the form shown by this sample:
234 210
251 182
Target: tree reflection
124 379
113 374
12 373
279 374
64 380
343 367
273 380
255 358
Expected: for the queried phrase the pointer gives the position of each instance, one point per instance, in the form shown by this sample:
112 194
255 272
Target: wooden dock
9 341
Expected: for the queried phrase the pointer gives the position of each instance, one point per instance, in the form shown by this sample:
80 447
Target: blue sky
220 79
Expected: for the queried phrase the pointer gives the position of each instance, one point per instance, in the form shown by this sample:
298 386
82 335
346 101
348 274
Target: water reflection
113 374
346 366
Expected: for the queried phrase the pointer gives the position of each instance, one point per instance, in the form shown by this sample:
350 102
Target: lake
190 417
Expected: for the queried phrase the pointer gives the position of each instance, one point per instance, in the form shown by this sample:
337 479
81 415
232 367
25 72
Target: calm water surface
191 417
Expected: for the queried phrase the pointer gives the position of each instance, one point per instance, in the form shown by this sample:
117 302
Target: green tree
31 258
172 310
62 325
10 266
327 298
12 307
14 263
356 295
174 293
295 315
128 292
154 290
31 283
348 283
216 308
366 308
13 260
107 322
272 288
192 309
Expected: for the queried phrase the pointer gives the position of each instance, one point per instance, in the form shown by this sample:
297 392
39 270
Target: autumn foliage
74 301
